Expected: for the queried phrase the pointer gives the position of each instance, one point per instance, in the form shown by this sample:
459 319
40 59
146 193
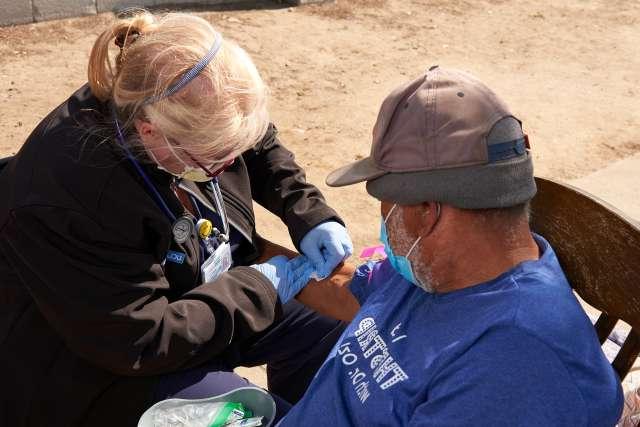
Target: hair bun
124 39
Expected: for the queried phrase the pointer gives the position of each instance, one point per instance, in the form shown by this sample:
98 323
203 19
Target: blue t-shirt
517 350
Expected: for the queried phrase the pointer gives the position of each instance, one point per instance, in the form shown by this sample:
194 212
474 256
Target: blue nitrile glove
326 245
287 276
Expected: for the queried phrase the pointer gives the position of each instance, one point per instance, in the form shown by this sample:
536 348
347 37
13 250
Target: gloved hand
326 245
287 276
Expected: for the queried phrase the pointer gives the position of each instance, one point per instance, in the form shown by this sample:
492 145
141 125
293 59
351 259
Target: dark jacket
89 315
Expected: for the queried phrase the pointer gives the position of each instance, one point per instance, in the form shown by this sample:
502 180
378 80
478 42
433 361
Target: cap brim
362 170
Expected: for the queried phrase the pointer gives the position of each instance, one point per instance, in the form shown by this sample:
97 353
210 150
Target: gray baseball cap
445 137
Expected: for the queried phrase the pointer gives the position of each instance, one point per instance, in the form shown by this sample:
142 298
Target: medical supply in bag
248 422
214 414
241 407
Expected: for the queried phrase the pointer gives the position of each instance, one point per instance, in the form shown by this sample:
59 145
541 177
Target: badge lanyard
215 187
219 208
158 198
219 259
217 198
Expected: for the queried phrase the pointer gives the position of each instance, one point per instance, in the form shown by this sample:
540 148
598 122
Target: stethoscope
210 236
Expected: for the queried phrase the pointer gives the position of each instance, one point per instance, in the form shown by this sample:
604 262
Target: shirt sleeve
107 297
279 184
367 278
507 378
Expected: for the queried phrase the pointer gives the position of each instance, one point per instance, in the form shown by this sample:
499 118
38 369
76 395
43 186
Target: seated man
470 320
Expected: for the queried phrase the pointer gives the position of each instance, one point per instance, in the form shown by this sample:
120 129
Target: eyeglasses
208 172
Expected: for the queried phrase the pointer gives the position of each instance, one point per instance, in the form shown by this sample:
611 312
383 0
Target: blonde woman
125 252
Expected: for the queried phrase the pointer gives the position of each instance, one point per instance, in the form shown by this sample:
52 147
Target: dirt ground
569 69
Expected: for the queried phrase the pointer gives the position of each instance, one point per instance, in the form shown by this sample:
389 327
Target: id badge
217 263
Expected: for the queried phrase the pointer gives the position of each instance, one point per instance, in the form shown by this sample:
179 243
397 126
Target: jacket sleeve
279 184
110 302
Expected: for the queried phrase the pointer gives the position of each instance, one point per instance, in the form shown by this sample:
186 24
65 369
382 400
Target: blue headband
189 75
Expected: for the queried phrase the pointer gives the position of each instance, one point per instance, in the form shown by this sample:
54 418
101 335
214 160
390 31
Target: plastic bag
216 414
242 407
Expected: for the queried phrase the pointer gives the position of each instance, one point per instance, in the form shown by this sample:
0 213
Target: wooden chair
599 250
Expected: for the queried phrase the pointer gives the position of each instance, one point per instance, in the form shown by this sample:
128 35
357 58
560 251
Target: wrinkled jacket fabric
90 316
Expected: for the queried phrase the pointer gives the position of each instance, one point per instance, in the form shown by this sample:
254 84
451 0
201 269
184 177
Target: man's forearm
330 296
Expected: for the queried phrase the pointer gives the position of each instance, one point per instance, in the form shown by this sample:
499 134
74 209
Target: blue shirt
517 350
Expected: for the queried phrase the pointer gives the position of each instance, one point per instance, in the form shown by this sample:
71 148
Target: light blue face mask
399 263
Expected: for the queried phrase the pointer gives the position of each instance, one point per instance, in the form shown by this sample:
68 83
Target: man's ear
421 218
417 218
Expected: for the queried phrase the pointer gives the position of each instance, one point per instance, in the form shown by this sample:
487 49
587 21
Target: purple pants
293 349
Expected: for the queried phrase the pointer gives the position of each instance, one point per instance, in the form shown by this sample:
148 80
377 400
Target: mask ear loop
155 160
187 168
413 246
389 213
438 211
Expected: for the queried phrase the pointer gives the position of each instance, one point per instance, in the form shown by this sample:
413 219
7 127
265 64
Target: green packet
229 413
242 407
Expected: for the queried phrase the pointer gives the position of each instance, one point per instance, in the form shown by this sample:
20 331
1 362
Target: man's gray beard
421 271
423 276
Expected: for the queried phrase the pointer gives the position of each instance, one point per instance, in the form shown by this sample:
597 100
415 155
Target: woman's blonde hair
215 117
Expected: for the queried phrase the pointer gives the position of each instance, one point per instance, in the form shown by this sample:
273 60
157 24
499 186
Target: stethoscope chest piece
182 229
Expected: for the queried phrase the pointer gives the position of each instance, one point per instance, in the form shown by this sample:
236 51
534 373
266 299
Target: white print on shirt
385 370
357 376
394 331
383 364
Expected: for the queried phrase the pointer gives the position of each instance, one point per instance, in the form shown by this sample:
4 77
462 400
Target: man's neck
478 260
